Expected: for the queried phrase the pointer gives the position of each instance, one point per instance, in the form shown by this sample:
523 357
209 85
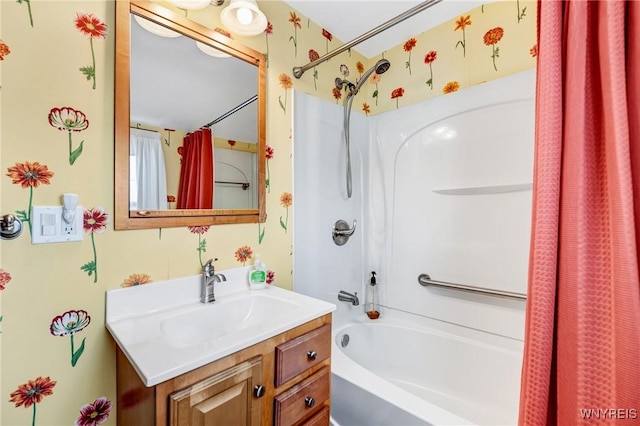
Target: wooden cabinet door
226 398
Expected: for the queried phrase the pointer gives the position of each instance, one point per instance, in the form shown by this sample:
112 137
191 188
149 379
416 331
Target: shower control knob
309 401
258 391
312 355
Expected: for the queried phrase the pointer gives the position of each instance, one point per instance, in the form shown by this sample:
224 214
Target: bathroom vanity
250 358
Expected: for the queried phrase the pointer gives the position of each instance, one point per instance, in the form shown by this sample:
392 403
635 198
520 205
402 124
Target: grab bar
425 280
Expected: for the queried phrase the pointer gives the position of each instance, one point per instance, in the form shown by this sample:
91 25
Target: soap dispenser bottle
257 275
371 307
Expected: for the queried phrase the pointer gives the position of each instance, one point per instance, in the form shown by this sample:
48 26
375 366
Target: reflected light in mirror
244 17
156 29
191 4
211 51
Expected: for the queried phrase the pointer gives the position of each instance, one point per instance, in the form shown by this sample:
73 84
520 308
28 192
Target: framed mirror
191 86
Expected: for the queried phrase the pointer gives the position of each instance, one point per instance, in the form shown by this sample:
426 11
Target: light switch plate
47 225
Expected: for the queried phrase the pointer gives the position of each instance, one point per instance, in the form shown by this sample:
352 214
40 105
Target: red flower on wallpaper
285 83
71 120
360 68
95 221
198 229
428 59
408 47
202 243
231 143
313 55
5 277
271 276
267 32
243 254
450 87
92 27
337 93
136 279
328 37
396 94
68 324
366 109
32 393
95 413
4 50
295 20
375 79
269 156
534 50
29 175
462 23
491 38
286 200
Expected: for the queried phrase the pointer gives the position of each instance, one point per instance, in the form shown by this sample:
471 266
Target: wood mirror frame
141 219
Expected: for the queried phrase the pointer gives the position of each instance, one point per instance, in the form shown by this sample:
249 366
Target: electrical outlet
48 225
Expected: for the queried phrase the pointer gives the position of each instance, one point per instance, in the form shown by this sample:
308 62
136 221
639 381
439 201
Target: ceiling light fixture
243 17
154 28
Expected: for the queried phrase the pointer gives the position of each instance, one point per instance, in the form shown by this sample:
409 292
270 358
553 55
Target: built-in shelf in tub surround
485 190
165 331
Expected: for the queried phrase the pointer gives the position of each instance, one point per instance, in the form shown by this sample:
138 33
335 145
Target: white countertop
140 319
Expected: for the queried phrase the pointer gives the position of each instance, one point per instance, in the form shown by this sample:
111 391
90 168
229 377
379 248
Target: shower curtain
149 191
582 341
195 189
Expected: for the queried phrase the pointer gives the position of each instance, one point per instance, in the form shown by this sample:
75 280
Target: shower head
379 68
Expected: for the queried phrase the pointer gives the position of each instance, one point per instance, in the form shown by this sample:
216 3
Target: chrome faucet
344 296
209 278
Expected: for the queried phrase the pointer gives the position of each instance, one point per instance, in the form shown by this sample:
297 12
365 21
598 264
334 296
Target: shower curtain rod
232 111
298 71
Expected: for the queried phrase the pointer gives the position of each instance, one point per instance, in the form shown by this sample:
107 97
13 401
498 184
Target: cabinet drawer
321 418
299 354
303 399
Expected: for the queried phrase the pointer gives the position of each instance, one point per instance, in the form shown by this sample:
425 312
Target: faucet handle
208 269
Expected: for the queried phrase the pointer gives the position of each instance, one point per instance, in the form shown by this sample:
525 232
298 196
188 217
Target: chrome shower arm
298 71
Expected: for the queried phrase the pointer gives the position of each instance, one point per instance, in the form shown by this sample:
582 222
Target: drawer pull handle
258 391
312 355
309 402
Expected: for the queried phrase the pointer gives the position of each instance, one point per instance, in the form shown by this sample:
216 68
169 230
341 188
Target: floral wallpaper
57 363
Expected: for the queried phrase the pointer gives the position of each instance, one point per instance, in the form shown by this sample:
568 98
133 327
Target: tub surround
164 330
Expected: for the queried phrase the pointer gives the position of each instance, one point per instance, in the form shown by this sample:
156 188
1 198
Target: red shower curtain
582 341
195 190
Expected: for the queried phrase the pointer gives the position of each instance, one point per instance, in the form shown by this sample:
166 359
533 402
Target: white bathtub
403 369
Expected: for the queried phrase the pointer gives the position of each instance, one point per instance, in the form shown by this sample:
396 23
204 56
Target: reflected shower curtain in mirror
196 173
148 185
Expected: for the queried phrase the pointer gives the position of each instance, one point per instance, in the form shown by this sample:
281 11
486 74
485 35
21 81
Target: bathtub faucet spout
344 296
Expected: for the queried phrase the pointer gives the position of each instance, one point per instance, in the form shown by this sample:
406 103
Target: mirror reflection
193 138
197 94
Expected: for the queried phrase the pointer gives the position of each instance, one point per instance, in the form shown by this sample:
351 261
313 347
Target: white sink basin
165 331
215 320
